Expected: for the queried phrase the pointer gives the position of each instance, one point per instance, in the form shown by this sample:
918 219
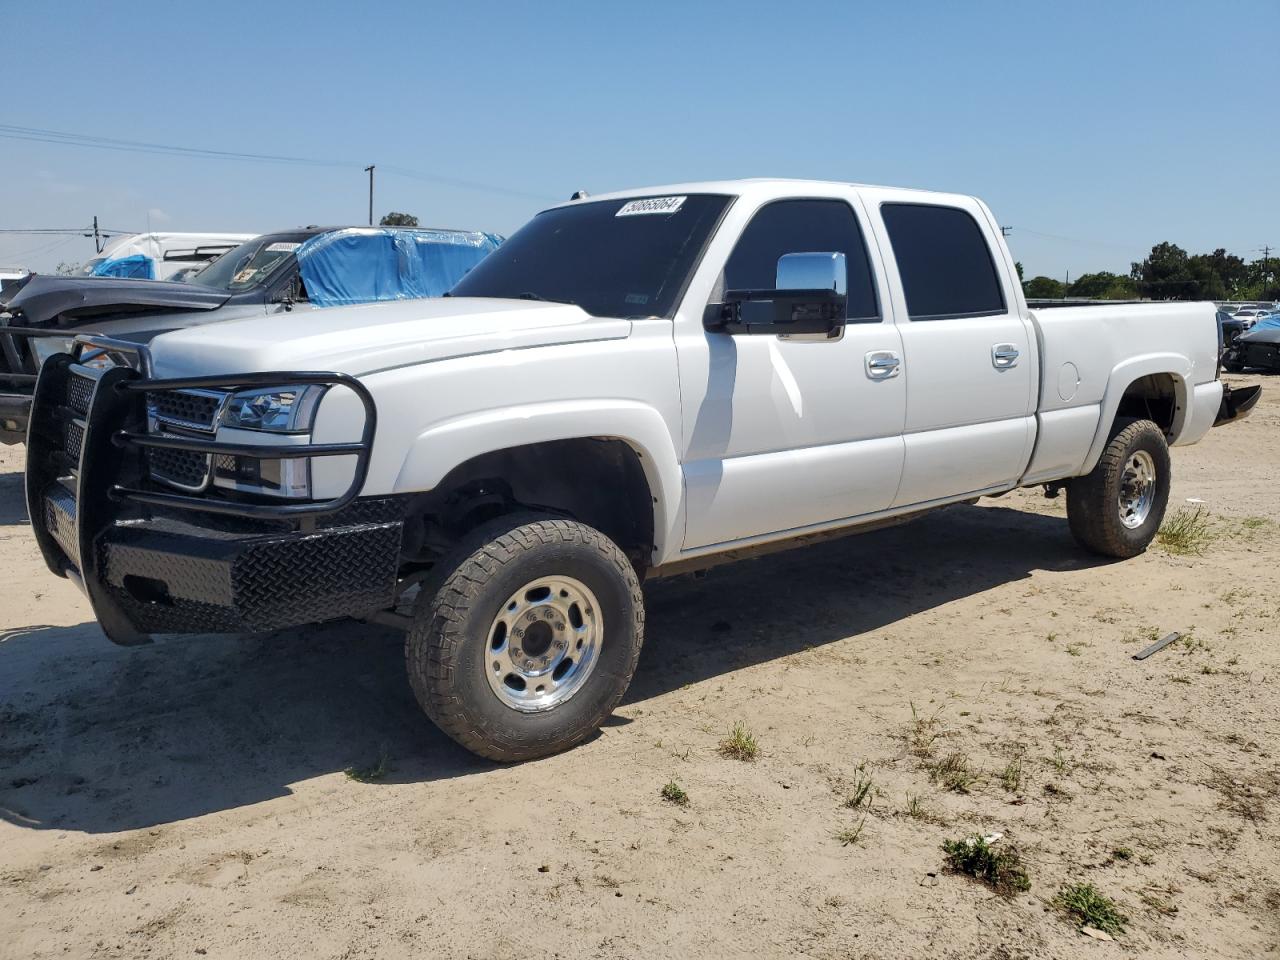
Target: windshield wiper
530 295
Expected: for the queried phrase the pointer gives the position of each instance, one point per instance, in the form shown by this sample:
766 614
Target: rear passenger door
969 358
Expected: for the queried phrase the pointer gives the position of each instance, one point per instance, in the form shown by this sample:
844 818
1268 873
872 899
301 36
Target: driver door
786 433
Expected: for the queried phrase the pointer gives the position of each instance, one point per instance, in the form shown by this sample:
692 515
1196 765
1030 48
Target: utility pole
97 239
369 171
1005 231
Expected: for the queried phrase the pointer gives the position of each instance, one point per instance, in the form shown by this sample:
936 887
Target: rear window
944 262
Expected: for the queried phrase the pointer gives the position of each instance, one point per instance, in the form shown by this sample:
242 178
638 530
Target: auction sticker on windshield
651 205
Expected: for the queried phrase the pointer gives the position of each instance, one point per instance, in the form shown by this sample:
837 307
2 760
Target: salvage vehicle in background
634 385
158 256
293 271
1228 329
1258 347
10 277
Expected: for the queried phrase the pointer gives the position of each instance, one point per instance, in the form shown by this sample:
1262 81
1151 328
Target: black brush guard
155 561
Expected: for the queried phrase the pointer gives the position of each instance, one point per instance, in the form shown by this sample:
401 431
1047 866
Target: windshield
246 266
613 258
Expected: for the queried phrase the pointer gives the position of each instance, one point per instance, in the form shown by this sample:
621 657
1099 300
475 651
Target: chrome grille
196 409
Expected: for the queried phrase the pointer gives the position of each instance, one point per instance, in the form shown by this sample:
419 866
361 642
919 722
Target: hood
1260 333
375 336
73 301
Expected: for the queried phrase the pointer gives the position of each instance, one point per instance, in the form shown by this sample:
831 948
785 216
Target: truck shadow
102 739
13 500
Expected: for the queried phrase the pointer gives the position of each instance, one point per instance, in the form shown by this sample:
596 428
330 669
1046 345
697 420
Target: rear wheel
530 640
1117 507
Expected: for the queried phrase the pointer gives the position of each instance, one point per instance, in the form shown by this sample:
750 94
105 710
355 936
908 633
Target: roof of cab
754 185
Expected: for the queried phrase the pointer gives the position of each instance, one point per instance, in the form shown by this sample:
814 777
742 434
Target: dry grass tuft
1187 531
740 744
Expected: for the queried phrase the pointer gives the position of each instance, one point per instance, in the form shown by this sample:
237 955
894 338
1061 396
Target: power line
71 231
1094 243
11 132
42 249
467 184
65 138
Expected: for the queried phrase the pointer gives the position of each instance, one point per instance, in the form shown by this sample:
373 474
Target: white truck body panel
743 439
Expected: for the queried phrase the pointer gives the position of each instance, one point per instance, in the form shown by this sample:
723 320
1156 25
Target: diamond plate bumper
169 576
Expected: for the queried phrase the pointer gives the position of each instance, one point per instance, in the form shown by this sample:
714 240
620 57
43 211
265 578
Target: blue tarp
136 267
366 264
1270 323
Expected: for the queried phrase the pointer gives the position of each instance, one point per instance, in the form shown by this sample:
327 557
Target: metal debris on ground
1155 647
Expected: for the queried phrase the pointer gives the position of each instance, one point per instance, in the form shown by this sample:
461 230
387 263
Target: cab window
804 226
944 262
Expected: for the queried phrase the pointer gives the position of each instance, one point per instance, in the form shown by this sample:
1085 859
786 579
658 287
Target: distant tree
65 269
1044 288
1095 286
1018 264
1169 273
1222 275
1122 288
1165 274
1262 280
395 219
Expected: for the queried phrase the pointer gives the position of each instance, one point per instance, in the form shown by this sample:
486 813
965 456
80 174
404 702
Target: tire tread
1093 522
438 633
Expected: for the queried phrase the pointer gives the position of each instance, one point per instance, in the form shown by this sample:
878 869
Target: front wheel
531 639
1117 507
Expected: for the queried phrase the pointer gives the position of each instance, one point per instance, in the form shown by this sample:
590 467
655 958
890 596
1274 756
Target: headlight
276 409
46 347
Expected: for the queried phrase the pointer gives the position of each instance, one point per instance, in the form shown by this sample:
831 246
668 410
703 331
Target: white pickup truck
634 385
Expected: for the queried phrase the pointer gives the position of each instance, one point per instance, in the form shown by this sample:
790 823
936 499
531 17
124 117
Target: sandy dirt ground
190 798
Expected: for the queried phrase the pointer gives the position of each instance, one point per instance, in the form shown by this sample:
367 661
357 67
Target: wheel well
597 481
1153 397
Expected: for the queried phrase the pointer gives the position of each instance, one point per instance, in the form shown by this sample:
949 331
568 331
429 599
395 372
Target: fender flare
446 445
1122 377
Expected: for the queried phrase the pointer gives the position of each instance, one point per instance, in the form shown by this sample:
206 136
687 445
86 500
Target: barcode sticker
650 205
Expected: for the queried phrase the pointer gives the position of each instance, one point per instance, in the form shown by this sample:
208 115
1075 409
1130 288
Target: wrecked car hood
66 302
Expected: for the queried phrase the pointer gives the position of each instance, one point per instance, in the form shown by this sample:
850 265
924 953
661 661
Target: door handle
882 364
1004 355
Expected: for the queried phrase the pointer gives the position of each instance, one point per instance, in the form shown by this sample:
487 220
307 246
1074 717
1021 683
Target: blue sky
1093 129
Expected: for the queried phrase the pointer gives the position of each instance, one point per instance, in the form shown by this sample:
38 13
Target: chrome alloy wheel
544 643
1137 489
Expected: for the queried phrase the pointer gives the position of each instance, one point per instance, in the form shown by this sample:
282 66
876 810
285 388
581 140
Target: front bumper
1261 355
167 575
152 561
